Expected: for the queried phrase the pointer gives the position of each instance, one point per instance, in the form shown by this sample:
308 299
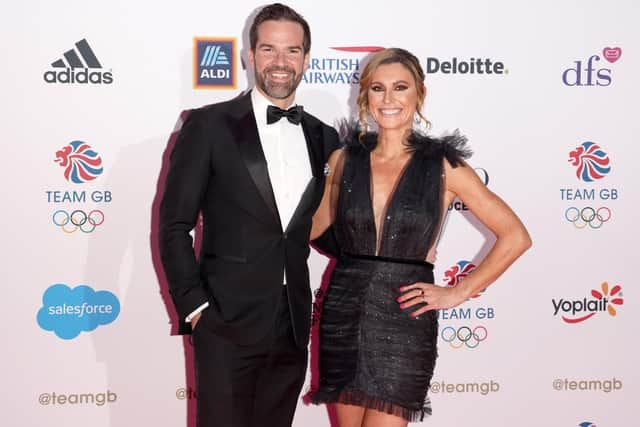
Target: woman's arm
512 239
323 217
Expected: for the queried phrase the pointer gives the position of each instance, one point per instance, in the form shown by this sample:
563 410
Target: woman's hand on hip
435 297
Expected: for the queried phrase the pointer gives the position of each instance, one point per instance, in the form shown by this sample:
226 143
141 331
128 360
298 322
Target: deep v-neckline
379 234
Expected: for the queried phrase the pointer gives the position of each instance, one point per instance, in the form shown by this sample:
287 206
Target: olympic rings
587 215
78 220
464 336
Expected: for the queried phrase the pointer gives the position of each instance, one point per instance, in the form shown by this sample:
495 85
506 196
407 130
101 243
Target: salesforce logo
68 311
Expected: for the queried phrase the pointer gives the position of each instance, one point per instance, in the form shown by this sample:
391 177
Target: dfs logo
588 73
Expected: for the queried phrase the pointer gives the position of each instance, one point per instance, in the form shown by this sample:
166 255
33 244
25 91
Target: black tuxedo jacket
218 168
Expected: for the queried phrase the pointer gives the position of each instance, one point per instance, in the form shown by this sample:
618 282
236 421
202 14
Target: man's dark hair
279 12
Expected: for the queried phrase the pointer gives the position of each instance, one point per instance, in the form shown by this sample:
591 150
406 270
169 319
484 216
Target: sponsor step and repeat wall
545 91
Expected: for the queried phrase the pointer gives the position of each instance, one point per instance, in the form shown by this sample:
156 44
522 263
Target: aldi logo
214 63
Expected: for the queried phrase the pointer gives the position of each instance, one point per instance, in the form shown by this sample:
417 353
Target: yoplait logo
579 310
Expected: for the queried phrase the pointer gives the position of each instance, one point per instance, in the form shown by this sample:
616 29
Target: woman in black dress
386 196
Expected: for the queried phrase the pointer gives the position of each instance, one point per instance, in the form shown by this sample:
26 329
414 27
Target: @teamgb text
587 216
464 336
78 219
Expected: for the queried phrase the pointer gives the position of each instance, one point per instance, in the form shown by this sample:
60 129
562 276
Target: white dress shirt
287 158
285 151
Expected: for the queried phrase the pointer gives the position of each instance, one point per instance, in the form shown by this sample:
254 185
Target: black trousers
249 386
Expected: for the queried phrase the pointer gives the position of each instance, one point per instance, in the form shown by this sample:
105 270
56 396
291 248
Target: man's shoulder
330 135
218 108
327 133
314 121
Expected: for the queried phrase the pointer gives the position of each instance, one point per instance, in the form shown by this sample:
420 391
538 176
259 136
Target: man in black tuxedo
254 168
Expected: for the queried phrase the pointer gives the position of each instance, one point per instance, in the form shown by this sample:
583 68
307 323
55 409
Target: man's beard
277 90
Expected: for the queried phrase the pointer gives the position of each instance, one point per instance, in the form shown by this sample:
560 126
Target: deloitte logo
460 66
214 63
579 310
67 312
78 69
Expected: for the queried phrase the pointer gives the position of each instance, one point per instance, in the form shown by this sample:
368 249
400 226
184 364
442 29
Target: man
254 168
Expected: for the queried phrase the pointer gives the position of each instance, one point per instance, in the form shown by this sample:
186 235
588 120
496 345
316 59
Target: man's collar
260 104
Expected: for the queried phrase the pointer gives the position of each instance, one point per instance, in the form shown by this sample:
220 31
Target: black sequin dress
373 353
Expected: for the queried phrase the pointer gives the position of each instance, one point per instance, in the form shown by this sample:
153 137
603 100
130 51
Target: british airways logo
340 68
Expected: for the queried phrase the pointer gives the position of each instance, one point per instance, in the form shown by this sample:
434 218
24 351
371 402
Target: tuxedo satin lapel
313 139
305 201
251 150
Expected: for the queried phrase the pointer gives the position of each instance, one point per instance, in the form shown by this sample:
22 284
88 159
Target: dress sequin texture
372 353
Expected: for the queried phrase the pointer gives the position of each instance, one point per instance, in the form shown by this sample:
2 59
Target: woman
386 196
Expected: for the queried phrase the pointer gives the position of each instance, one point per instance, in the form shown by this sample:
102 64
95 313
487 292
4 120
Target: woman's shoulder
454 146
354 141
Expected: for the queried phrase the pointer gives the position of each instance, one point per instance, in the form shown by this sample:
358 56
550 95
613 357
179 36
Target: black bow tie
293 114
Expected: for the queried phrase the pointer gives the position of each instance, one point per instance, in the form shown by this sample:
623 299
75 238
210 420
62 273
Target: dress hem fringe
358 398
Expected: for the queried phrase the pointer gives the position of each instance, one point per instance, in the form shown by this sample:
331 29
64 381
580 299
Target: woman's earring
364 126
420 124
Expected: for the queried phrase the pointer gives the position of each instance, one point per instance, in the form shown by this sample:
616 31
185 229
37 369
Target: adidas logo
214 55
83 68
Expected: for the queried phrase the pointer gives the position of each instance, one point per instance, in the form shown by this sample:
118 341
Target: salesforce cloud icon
67 311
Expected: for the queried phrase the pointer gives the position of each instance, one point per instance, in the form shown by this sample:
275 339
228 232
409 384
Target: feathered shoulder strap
453 147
